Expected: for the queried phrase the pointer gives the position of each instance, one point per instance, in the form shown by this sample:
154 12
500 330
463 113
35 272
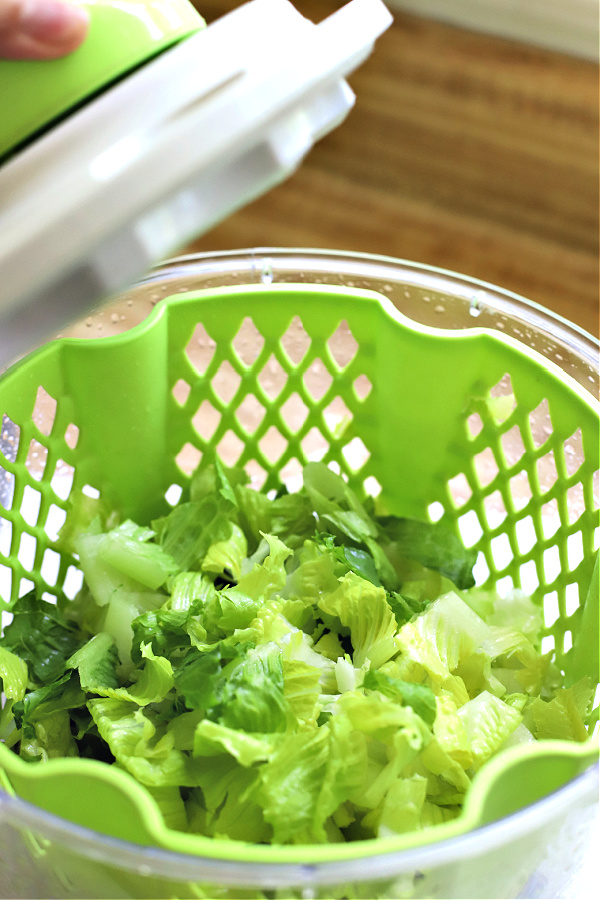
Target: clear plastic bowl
543 851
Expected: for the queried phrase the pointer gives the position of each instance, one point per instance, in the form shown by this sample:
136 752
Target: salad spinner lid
196 132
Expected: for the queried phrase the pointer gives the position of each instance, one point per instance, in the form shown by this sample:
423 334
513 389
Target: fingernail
53 22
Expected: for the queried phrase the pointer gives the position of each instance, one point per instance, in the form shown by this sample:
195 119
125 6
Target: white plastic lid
165 154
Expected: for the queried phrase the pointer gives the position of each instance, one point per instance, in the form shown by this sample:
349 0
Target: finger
40 29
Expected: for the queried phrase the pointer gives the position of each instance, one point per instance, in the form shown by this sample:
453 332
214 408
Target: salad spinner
382 369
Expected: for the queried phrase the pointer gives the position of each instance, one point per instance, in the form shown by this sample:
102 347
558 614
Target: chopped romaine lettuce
292 669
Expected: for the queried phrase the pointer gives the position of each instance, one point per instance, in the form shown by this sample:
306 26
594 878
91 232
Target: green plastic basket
465 426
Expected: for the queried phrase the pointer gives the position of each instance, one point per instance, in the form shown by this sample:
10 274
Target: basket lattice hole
230 448
25 586
575 553
567 642
272 377
474 425
486 466
6 580
44 411
552 564
36 459
575 502
550 518
573 453
314 445
206 420
173 494
291 475
470 528
572 599
10 435
7 488
551 609
273 444
226 382
181 391
435 511
372 487
513 448
256 474
248 343
356 454
540 424
295 342
526 535
495 510
520 490
529 577
30 505
250 413
294 412
62 479
503 400
73 582
55 520
317 379
50 567
188 458
26 553
342 345
200 349
72 436
90 491
362 387
460 490
501 551
5 537
547 471
337 417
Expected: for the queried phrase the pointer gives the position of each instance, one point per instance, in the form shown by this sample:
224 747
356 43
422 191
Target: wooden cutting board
464 151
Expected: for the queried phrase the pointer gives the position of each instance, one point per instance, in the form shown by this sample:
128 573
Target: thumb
40 29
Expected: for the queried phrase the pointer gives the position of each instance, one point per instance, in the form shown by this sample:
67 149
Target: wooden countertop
464 151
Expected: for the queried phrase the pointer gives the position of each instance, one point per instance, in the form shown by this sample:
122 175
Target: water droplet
439 308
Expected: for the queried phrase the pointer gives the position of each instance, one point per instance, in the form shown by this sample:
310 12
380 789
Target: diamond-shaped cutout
502 400
206 420
520 490
30 505
547 472
474 425
291 475
250 413
337 416
230 448
50 566
200 349
573 453
10 434
575 502
435 511
526 535
55 520
501 551
513 447
256 474
273 444
188 458
372 486
36 459
552 564
5 538
486 466
272 378
342 345
460 489
44 411
314 445
295 341
551 608
575 552
495 510
362 387
550 518
181 391
317 379
356 454
226 382
173 494
7 488
248 343
540 424
294 412
470 528
26 554
72 436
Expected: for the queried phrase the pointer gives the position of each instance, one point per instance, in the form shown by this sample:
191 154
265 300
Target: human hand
40 29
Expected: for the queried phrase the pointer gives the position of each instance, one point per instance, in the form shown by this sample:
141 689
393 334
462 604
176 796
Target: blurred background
473 146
